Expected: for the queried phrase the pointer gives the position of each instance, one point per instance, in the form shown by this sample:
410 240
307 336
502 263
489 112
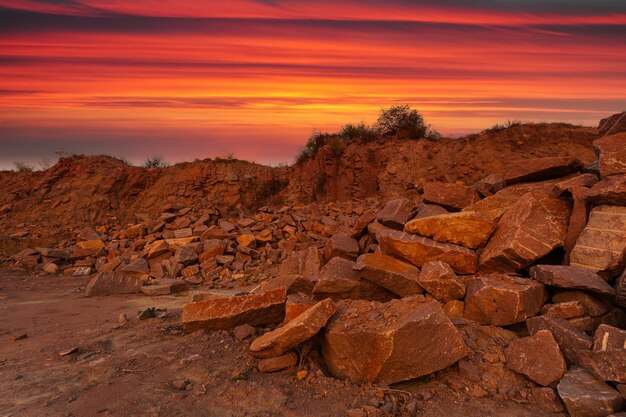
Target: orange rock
286 361
612 154
246 240
110 283
538 357
466 228
439 280
450 196
388 272
339 280
91 244
229 312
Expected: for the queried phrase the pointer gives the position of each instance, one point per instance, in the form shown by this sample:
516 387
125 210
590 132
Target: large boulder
229 312
529 230
111 283
391 342
602 244
613 124
466 228
390 273
339 280
419 250
441 282
502 300
570 277
585 396
574 343
538 357
341 245
612 154
396 213
450 196
538 169
296 331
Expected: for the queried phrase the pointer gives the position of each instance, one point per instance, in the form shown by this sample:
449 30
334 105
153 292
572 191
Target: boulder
343 246
601 246
450 196
298 330
419 250
593 307
111 283
612 124
441 282
502 300
490 185
396 213
390 342
529 230
338 280
612 154
574 343
585 396
538 357
609 353
538 169
466 228
610 191
571 278
229 312
390 273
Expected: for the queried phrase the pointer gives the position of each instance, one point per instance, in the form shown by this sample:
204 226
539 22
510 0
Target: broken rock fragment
585 396
538 357
450 196
228 312
110 283
570 277
298 330
534 226
420 250
286 361
612 154
390 342
338 280
343 246
537 169
502 300
441 282
574 343
388 272
396 213
465 228
609 353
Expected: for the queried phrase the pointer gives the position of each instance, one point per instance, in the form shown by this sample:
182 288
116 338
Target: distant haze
201 78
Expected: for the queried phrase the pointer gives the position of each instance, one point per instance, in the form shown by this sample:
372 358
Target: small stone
180 384
286 361
243 332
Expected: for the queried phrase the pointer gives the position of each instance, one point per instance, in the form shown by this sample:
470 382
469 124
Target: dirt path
128 369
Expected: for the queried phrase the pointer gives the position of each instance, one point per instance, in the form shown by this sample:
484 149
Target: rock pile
512 287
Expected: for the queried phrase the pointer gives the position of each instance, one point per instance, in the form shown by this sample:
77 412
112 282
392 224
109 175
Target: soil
62 354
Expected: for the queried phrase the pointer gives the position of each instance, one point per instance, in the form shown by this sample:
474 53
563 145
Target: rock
538 357
164 287
609 353
298 330
247 240
612 124
286 361
338 280
419 250
110 283
571 278
390 273
490 185
90 244
297 304
529 230
229 312
306 263
585 396
390 342
602 244
538 169
593 307
186 255
343 246
27 257
51 268
441 282
610 191
620 291
244 331
138 268
577 220
450 196
572 341
293 283
466 228
567 310
612 154
396 213
502 300
156 248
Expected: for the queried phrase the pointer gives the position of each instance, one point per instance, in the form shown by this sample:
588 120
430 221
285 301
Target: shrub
23 167
336 146
317 140
360 131
401 121
155 162
303 154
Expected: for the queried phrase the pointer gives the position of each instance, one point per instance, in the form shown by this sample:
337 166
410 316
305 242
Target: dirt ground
62 354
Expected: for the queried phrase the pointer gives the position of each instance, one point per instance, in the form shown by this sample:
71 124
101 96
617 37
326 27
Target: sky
253 78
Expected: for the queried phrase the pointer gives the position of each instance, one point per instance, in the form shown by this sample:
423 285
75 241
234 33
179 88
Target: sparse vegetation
401 121
229 158
354 132
23 167
155 162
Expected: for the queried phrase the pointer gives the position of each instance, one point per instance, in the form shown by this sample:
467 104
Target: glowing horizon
255 77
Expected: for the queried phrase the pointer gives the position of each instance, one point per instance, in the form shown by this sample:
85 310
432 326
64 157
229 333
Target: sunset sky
204 78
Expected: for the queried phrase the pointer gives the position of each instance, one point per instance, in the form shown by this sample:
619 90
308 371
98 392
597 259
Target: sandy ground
62 354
